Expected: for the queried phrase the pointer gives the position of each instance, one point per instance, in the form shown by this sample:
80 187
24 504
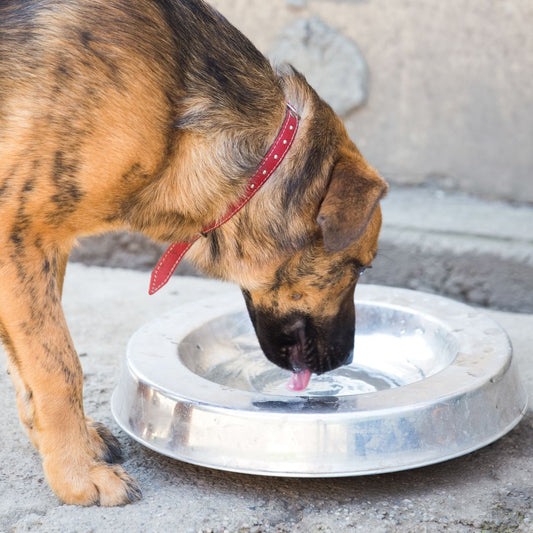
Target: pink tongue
299 380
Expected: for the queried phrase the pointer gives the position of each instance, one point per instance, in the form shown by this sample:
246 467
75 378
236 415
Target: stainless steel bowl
431 379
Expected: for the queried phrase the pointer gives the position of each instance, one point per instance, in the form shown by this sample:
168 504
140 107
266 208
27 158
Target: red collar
175 253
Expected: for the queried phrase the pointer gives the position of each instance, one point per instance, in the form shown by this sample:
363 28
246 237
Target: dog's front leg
48 379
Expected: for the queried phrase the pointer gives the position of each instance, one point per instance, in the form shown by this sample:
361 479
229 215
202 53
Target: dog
151 116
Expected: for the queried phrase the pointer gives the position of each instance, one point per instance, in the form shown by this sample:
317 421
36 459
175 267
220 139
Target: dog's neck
269 164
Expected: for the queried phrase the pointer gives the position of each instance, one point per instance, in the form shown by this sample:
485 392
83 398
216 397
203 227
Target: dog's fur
150 116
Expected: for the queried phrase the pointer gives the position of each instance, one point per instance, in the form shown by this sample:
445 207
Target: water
392 349
381 362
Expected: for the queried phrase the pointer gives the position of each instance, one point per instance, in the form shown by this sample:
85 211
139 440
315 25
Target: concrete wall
449 84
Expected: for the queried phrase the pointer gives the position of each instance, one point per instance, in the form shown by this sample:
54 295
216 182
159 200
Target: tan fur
113 116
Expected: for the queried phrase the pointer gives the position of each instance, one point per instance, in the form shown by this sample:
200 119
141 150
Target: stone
332 63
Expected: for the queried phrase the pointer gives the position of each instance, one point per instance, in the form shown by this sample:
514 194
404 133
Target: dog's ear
352 196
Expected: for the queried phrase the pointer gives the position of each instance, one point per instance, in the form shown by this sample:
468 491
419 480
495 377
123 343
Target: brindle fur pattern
150 116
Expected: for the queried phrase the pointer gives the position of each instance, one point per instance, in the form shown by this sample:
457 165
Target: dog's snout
296 327
302 342
296 343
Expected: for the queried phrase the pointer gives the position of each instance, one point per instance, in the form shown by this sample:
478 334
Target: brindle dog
151 116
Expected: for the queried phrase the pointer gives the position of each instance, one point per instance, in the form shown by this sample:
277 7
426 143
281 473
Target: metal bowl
431 379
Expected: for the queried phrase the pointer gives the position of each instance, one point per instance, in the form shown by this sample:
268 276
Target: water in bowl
392 351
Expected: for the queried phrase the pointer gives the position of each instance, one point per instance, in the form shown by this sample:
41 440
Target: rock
332 63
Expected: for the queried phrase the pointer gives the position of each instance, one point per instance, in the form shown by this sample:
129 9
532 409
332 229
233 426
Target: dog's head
298 249
304 316
303 308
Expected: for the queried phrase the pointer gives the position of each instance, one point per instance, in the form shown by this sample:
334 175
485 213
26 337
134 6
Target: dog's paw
91 483
103 442
114 485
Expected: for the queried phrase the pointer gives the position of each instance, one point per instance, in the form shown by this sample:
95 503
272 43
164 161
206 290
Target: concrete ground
488 490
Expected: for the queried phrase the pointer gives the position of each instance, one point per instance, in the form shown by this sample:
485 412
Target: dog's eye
356 268
363 269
